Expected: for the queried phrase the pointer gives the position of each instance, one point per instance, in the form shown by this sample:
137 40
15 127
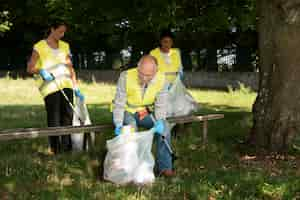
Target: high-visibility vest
54 61
170 70
136 101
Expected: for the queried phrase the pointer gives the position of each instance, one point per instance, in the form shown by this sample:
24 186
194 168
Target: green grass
218 171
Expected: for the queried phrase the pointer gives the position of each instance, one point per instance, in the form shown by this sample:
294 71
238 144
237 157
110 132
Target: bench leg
88 142
205 126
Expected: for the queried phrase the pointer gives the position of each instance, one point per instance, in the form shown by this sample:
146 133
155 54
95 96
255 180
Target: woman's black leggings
59 113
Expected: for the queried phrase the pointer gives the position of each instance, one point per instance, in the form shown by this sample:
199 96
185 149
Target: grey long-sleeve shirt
120 100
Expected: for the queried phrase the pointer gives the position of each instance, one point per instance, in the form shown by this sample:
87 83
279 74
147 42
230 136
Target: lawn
225 169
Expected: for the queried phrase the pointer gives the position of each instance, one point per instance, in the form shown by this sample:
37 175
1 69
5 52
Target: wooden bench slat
194 118
20 133
50 131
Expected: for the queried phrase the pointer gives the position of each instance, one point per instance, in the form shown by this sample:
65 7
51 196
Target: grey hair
148 56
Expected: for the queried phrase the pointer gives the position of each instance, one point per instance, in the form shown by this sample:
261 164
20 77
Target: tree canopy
113 25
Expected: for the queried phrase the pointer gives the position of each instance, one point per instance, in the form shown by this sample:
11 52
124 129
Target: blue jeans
163 155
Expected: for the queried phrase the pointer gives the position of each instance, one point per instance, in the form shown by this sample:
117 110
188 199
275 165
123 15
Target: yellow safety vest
170 70
135 100
54 61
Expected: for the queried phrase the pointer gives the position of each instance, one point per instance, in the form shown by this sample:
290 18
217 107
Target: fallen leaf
192 146
67 180
247 157
186 171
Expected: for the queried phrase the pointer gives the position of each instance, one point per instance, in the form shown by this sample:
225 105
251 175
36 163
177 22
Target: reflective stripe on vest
58 79
171 69
149 107
62 80
136 106
135 100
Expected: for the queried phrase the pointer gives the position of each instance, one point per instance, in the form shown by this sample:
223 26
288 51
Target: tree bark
276 110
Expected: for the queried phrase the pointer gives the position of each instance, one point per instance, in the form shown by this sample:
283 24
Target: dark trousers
59 113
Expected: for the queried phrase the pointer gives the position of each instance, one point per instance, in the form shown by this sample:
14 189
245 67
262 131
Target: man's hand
159 127
79 94
46 75
118 130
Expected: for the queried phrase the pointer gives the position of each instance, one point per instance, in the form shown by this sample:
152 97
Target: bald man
141 101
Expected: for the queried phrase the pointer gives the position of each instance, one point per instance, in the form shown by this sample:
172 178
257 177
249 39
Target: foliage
4 22
101 21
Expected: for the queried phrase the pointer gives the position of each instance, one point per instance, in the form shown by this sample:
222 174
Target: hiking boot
167 173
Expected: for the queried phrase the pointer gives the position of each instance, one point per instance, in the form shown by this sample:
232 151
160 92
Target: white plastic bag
180 101
80 117
129 158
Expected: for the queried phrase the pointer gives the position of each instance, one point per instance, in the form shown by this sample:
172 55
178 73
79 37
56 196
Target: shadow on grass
214 171
25 163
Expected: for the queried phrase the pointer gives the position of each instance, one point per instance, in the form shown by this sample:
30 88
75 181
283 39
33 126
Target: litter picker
174 157
74 110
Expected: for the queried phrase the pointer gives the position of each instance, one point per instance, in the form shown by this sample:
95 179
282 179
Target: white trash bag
129 158
80 117
180 101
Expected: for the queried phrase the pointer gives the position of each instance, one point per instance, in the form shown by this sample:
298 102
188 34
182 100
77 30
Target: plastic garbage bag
129 158
80 117
180 101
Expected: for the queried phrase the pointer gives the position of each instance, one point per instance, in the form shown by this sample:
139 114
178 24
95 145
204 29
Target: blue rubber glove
46 75
118 130
159 127
79 94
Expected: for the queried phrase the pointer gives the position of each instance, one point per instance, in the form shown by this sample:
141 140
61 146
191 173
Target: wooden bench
30 133
197 118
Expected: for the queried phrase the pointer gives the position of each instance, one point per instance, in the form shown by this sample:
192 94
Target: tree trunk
276 110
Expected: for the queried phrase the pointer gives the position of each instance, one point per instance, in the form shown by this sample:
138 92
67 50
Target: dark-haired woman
168 58
51 60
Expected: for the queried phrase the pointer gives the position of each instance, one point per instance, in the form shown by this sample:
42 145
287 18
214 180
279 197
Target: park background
219 43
